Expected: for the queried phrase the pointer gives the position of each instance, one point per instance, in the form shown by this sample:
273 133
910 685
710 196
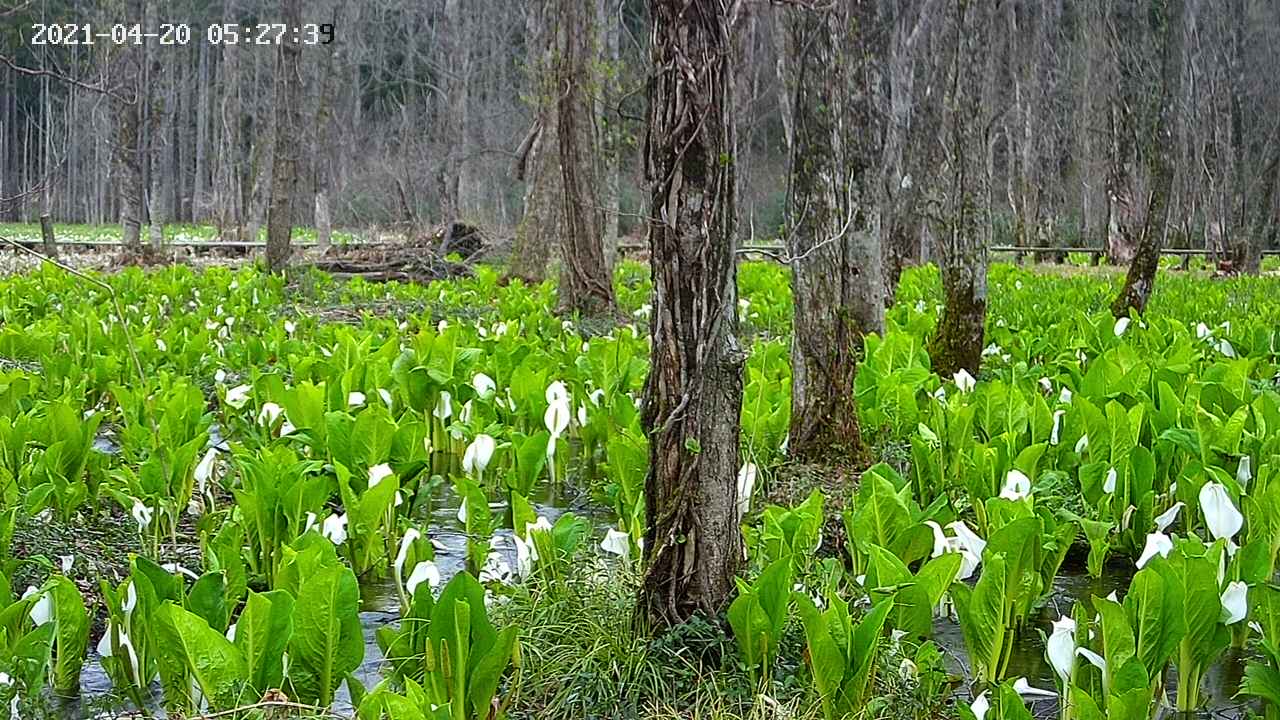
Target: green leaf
327 642
212 660
262 634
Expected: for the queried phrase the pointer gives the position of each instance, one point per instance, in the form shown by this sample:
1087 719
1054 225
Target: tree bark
962 252
284 153
127 105
586 281
538 165
898 227
836 268
157 137
693 395
1141 278
322 149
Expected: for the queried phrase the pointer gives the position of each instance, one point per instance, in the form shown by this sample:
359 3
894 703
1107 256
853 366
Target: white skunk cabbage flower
444 406
1109 484
1168 517
1157 544
378 473
1016 486
204 469
1064 397
965 542
477 456
142 514
1025 689
269 412
556 392
556 417
1121 325
42 611
174 568
1220 514
406 541
355 399
1235 603
335 528
1061 647
1244 473
964 381
1057 426
525 556
484 385
425 571
617 543
980 706
238 396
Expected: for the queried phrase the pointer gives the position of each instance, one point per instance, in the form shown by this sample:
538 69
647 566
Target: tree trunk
284 153
586 281
541 226
322 149
127 104
157 137
693 395
611 133
962 252
897 226
836 268
1141 278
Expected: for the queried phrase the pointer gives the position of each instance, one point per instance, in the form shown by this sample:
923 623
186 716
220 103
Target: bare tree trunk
322 149
127 104
157 137
962 252
1141 279
897 226
1124 213
285 150
836 268
586 281
693 395
541 226
49 242
200 189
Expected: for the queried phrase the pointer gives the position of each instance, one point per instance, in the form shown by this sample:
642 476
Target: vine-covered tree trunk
1141 279
693 395
586 280
538 166
284 154
962 252
836 268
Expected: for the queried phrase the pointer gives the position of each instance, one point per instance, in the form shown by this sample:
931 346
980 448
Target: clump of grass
584 656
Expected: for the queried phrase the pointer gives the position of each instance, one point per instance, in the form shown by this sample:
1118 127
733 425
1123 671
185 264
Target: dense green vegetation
280 456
